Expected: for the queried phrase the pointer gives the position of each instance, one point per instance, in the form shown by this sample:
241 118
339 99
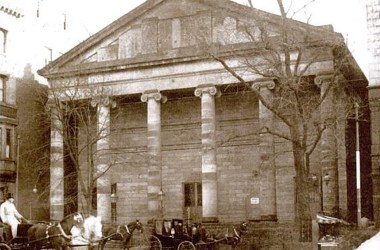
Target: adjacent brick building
181 136
9 16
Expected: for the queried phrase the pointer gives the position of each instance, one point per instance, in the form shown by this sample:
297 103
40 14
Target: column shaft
330 188
209 166
268 209
375 151
56 166
153 99
103 146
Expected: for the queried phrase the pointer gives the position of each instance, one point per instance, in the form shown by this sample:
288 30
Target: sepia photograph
190 124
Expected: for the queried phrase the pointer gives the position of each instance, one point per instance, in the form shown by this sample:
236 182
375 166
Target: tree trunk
303 216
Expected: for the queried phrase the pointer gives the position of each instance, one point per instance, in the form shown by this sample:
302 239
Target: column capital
103 100
153 94
263 83
209 89
54 103
322 78
49 106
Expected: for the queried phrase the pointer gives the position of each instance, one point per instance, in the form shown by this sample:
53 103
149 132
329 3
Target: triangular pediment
161 30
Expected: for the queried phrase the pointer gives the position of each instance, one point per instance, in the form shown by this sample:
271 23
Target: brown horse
54 235
121 233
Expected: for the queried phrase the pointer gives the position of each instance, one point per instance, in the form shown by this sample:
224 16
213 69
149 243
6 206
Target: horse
121 233
228 239
90 233
56 235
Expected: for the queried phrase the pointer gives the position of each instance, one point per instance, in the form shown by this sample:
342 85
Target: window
2 88
8 143
193 194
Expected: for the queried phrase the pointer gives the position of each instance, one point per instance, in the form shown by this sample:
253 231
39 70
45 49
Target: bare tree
81 133
286 52
32 147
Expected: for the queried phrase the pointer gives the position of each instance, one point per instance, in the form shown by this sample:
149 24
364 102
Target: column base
56 212
210 220
271 217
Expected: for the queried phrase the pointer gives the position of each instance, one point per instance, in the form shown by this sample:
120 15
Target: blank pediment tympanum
169 29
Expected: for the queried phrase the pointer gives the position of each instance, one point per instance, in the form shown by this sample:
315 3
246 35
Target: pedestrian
78 242
10 215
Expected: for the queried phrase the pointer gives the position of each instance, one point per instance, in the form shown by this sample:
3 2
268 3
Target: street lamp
35 190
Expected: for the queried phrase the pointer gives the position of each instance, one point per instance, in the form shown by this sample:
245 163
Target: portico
177 135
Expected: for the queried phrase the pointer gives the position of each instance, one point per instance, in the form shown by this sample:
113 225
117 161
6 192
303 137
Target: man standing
9 214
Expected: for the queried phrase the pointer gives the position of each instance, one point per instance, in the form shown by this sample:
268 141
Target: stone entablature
171 77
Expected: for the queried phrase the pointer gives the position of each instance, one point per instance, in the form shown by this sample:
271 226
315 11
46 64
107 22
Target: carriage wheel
186 245
155 243
4 246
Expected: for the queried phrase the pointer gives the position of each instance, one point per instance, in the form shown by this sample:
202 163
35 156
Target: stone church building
179 136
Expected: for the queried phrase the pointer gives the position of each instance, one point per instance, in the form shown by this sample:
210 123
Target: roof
148 11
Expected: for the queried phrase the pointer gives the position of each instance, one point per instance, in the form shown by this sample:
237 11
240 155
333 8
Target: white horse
371 244
91 232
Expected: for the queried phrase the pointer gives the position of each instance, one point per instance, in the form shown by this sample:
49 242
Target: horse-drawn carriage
167 234
60 235
175 235
47 235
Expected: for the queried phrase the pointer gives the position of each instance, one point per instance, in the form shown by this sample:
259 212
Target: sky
60 25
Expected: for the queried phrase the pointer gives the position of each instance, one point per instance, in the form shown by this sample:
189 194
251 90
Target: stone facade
179 136
373 23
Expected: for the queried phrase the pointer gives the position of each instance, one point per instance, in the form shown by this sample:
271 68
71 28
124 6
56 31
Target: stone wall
238 159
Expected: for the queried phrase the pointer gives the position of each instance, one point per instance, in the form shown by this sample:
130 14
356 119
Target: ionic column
56 165
330 186
103 183
268 209
209 166
153 99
